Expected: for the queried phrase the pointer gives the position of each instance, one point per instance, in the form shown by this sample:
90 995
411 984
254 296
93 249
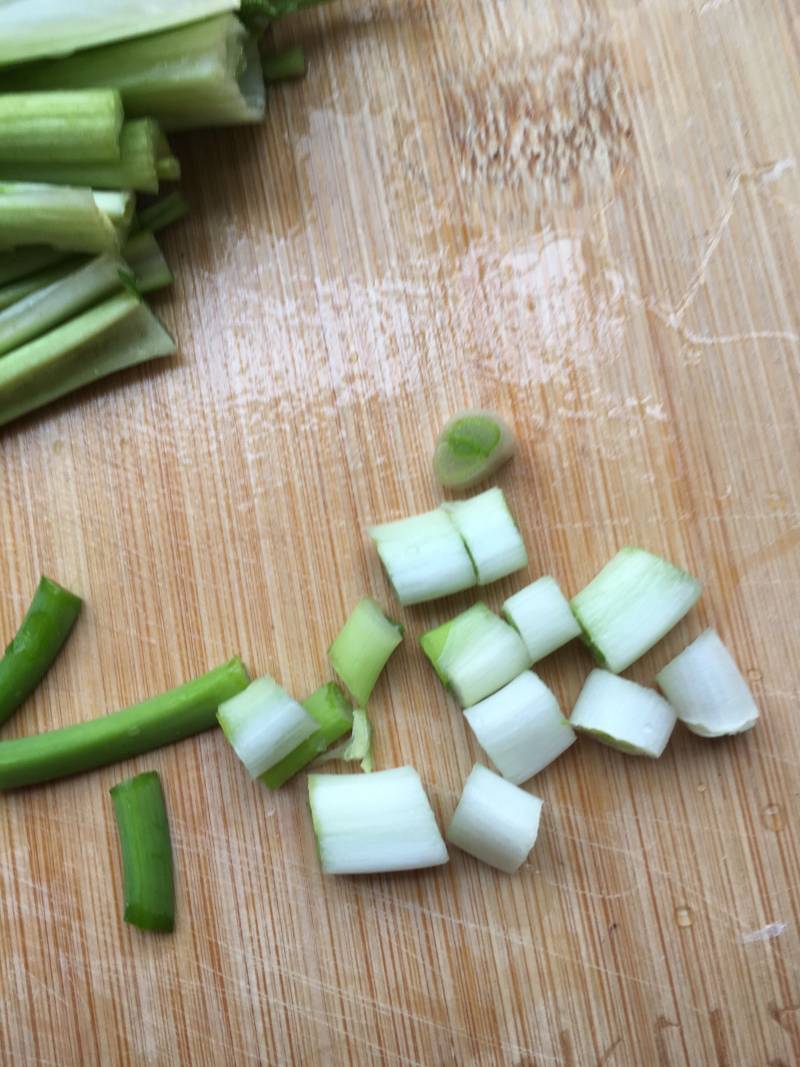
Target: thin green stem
149 886
162 212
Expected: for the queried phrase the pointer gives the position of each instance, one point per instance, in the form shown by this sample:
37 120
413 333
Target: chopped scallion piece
149 888
707 690
475 654
490 534
495 821
471 447
632 603
60 127
542 615
424 557
623 715
264 725
366 823
362 648
18 290
285 65
149 268
63 216
334 716
521 727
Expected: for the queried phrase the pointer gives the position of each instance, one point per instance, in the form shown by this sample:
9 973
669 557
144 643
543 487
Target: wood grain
586 216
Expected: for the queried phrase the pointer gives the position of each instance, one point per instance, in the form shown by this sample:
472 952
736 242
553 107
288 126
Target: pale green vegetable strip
146 261
119 333
623 715
15 291
162 213
63 216
60 127
362 648
471 447
24 262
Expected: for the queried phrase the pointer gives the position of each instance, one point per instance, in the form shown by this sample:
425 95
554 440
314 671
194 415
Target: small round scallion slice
471 447
623 715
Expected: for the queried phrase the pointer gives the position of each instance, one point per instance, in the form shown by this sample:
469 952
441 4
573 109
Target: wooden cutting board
587 217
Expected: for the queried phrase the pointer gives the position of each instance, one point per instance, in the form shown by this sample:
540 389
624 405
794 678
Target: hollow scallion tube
475 654
149 888
471 447
707 690
632 603
264 724
46 626
367 823
488 530
148 266
64 216
60 127
362 648
495 821
159 721
623 715
424 557
521 727
541 614
334 717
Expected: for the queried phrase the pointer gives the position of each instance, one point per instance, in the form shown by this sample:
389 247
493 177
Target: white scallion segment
521 727
707 690
424 557
495 821
543 617
363 646
264 724
368 823
490 534
632 603
476 653
623 715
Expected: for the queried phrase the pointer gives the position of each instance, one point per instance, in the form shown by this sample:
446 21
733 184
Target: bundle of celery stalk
86 99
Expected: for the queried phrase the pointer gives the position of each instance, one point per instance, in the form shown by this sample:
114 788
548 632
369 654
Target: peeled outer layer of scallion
490 534
541 614
632 603
358 748
60 127
475 654
149 887
495 821
264 725
424 557
64 216
333 714
707 690
471 447
623 715
521 727
363 647
368 823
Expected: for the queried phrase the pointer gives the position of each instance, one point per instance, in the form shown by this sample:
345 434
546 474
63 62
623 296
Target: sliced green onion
475 654
149 888
367 823
36 28
632 603
362 648
264 725
707 690
18 290
490 534
159 721
542 615
59 215
60 127
424 557
358 749
207 73
119 333
521 727
623 715
146 260
62 299
471 447
46 626
284 66
24 262
495 821
162 212
334 716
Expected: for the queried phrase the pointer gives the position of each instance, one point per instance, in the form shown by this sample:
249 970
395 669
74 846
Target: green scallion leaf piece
471 447
60 127
623 715
159 721
59 215
363 647
143 827
18 290
633 602
488 530
334 716
46 626
475 654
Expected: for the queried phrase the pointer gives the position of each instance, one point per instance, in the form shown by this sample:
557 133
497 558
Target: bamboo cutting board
587 217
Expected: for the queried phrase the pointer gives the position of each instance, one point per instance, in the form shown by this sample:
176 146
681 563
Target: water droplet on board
772 817
683 916
701 788
754 674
